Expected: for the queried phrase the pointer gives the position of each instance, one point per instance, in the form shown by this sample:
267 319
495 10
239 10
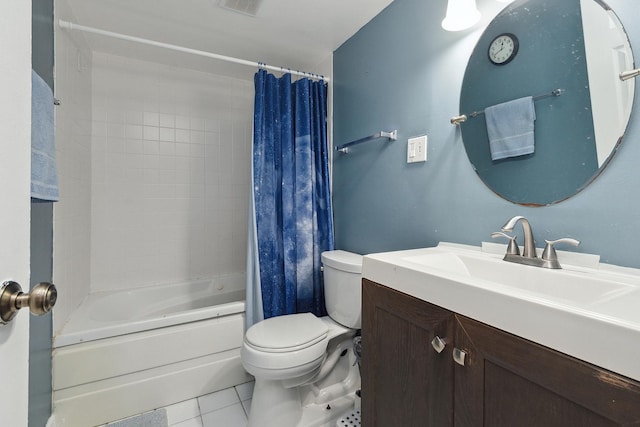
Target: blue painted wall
402 71
41 327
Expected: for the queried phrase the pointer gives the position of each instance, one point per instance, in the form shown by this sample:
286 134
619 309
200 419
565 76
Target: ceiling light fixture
461 14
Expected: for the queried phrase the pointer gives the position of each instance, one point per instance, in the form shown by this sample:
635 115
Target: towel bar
344 148
463 117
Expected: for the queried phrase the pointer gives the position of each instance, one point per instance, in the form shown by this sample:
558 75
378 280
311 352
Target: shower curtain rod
72 27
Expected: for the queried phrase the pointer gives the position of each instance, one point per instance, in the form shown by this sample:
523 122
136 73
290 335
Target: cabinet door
509 381
405 381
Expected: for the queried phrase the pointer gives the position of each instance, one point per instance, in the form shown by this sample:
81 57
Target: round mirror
567 56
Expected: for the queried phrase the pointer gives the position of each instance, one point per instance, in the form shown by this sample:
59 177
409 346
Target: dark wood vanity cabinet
405 382
505 380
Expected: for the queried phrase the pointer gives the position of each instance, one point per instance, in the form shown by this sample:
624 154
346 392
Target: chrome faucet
549 257
529 250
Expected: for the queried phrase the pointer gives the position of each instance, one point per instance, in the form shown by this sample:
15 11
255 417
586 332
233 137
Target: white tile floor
225 408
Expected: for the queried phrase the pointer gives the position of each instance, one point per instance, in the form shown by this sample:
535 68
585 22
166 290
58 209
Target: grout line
244 409
199 409
235 388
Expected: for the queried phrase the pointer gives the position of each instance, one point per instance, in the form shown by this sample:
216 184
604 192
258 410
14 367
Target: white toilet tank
343 287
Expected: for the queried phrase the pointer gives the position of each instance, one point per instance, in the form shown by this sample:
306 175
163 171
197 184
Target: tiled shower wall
154 169
170 173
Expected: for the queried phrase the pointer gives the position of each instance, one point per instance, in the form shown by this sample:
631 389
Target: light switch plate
417 149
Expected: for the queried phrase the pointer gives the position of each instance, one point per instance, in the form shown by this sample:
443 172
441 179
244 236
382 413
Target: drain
349 420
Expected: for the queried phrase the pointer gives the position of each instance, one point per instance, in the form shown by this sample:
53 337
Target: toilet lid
287 333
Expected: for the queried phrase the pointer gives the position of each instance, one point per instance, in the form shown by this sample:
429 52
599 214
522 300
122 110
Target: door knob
40 300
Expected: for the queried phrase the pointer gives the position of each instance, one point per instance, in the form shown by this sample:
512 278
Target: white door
15 170
608 54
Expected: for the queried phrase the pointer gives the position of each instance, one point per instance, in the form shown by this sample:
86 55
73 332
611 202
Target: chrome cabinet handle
40 300
438 344
459 356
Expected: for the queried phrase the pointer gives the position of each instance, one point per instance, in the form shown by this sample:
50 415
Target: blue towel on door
44 175
510 128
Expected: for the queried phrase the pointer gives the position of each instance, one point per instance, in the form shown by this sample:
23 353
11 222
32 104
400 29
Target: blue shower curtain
292 225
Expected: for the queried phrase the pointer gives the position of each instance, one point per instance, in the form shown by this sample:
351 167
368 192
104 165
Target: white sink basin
570 287
585 311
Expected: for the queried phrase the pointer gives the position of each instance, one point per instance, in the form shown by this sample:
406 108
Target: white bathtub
126 352
109 314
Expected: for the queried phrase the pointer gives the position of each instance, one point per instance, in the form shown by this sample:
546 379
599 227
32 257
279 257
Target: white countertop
603 330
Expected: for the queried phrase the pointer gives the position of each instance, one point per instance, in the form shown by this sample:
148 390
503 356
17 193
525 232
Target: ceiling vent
246 7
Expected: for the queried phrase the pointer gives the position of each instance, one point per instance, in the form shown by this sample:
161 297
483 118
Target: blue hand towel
510 128
44 175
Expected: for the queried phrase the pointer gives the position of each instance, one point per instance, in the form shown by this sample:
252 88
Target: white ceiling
297 34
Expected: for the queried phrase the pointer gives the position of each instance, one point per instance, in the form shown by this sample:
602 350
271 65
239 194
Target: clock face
503 48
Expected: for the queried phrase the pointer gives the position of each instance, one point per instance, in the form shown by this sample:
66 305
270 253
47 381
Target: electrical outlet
417 149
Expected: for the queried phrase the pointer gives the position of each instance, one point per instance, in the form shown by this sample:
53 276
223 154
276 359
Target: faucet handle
512 248
549 253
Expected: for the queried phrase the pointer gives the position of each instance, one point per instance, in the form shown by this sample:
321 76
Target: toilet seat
287 333
285 342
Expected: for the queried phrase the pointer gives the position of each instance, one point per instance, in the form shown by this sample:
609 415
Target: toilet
304 366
